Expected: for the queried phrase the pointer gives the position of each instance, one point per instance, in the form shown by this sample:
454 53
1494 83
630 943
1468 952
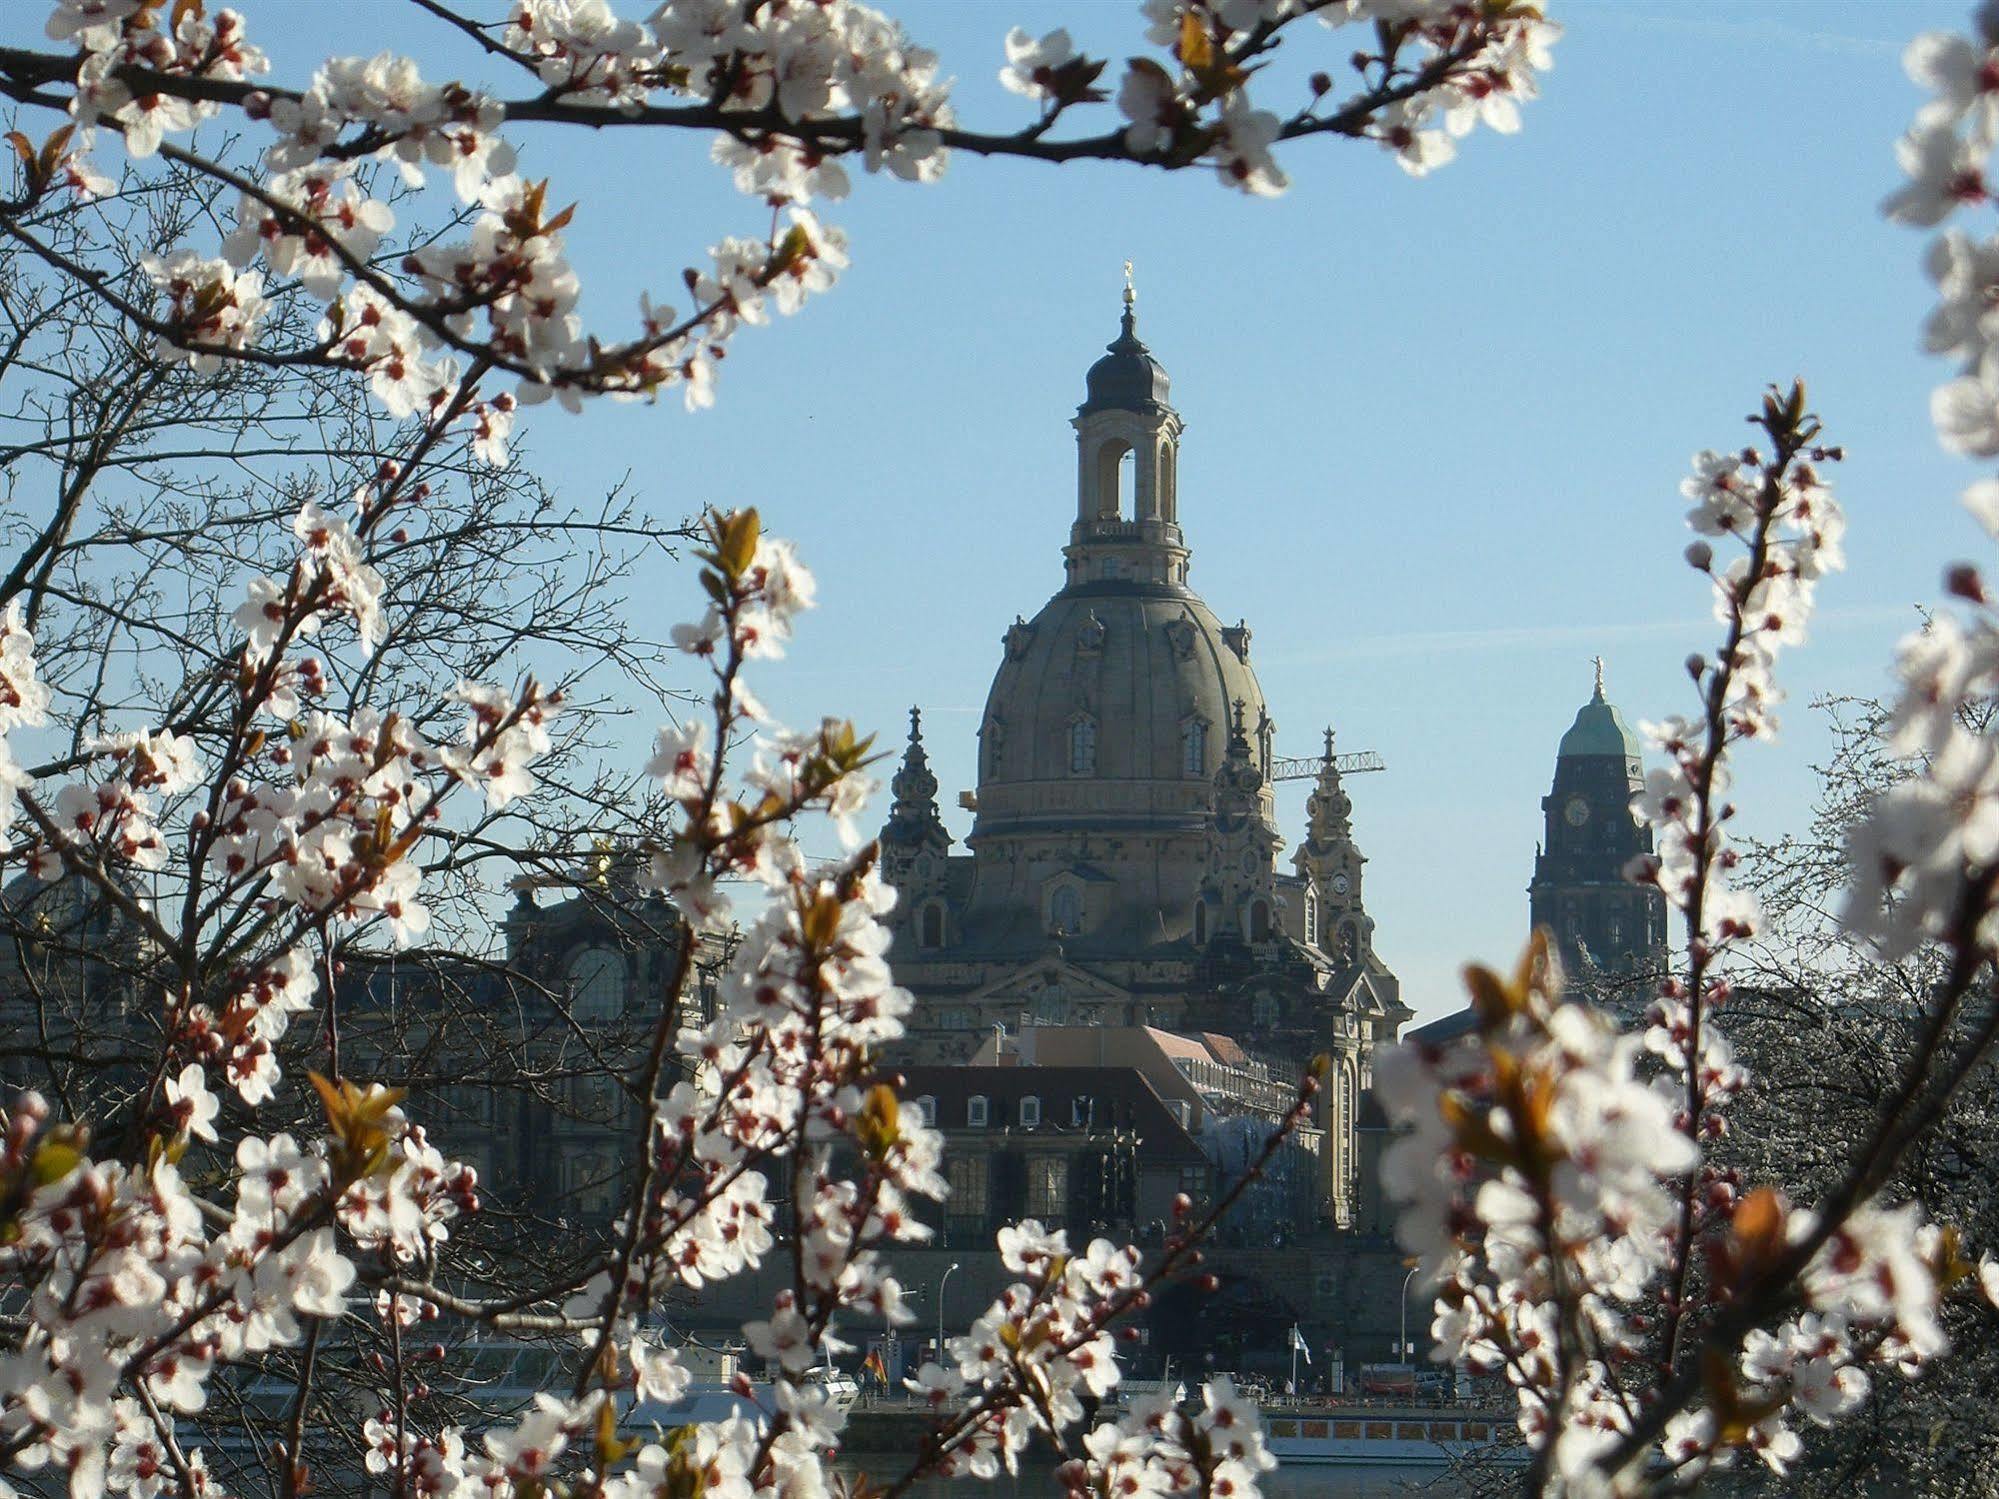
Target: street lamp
943 1281
1402 1348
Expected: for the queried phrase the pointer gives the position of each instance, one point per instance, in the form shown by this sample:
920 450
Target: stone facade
1123 866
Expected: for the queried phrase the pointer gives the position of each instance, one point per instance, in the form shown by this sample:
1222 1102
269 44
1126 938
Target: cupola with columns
1127 466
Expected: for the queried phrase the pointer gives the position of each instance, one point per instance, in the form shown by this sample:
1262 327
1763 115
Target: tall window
1048 1188
1065 910
970 1185
1200 923
1259 922
1194 748
932 934
1083 747
597 984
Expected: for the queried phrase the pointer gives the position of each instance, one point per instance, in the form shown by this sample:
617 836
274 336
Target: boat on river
1303 1435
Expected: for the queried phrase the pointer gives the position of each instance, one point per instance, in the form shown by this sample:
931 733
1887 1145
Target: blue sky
1435 428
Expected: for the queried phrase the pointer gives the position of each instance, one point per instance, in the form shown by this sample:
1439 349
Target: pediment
1037 979
1356 992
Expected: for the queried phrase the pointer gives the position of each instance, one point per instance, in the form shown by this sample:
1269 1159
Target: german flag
874 1364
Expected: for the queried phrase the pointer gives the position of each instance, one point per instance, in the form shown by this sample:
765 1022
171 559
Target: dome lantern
1127 452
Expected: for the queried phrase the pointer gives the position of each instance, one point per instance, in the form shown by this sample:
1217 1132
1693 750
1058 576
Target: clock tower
1604 926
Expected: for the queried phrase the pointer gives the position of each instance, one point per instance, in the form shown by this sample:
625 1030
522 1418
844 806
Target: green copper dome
1599 729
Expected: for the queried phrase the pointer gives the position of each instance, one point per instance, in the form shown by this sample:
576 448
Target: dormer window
926 1108
1083 747
1194 747
977 1111
1065 911
1030 1113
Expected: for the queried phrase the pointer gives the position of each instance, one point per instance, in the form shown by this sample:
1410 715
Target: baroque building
1606 928
1123 867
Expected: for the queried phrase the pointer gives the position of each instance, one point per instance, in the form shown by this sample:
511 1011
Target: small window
1065 911
1081 1111
1110 567
976 1111
1030 1113
1194 748
932 932
1083 747
926 1108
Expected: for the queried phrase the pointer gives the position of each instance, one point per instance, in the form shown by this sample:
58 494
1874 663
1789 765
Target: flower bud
1962 580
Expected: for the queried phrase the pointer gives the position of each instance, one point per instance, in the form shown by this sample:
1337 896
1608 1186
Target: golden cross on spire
1130 291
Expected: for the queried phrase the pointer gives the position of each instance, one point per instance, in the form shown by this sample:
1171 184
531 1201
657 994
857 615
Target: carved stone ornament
1091 636
1180 637
1236 638
1019 635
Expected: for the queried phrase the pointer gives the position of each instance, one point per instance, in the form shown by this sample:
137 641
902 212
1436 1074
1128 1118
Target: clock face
1577 812
1340 884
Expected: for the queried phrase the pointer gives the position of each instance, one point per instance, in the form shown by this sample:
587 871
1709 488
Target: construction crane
1306 768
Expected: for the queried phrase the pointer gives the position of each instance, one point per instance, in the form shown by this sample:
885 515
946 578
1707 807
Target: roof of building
1225 1049
1128 377
1599 729
1124 1100
1446 1028
1177 1045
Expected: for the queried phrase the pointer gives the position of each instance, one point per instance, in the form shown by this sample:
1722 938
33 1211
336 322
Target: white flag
1298 1342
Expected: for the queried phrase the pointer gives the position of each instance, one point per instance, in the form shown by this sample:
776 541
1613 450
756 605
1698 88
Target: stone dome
1138 679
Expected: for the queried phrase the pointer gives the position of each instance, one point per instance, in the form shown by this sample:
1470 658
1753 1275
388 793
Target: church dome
1127 378
1113 707
1599 729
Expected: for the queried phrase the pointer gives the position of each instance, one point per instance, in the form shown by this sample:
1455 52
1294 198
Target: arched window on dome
1083 747
1194 747
1169 500
1116 483
930 931
597 984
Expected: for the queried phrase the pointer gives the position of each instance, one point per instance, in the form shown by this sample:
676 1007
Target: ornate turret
915 846
1237 900
1331 860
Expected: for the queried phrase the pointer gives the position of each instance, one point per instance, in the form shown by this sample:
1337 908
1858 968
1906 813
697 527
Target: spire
913 816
